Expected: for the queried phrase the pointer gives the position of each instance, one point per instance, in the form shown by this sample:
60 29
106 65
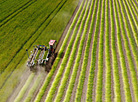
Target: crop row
67 71
128 50
69 50
99 82
126 86
46 83
115 69
95 17
107 54
132 41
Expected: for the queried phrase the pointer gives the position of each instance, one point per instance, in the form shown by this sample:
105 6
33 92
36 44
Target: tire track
16 12
97 51
33 40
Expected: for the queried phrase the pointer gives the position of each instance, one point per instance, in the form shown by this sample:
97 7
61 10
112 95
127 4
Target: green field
97 60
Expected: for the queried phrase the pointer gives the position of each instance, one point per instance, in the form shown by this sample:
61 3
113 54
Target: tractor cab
52 45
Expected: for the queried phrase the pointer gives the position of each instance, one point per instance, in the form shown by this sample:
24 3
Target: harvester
39 57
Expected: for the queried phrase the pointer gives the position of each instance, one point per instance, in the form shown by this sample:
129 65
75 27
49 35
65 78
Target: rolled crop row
33 89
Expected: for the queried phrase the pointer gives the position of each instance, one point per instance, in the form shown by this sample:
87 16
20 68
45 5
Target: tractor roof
51 42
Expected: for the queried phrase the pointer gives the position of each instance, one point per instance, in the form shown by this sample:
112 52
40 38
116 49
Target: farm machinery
42 56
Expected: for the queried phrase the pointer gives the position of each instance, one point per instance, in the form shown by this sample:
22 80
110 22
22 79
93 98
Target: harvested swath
23 90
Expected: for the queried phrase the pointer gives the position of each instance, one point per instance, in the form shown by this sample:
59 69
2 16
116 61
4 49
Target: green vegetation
109 27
